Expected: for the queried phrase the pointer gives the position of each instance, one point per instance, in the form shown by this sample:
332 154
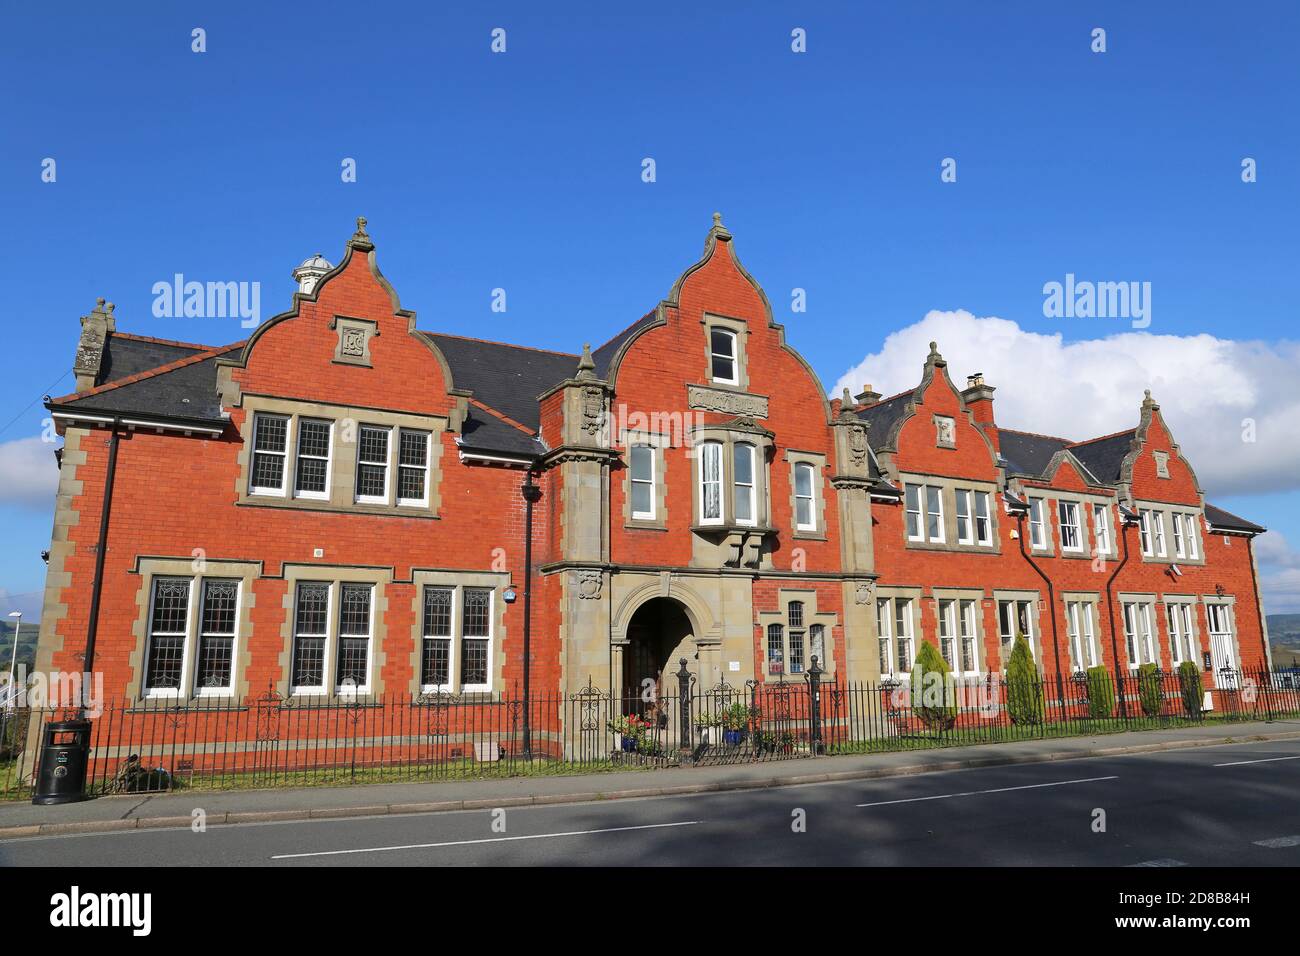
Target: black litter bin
64 753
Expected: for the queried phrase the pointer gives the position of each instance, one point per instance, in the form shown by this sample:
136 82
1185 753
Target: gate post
814 706
684 707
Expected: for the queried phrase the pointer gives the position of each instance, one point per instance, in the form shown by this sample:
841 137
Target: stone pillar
95 329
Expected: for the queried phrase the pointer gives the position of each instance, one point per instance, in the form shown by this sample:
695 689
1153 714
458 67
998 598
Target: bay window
743 483
710 482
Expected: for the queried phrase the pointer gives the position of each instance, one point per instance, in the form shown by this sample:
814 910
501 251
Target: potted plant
629 730
735 723
787 742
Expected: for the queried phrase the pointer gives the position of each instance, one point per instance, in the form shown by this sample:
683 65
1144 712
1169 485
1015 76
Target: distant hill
1284 635
26 646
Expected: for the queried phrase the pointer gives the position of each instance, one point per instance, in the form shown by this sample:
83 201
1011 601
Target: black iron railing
272 741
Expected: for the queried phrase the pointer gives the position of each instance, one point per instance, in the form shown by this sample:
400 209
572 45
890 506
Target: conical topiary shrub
1189 678
1149 689
934 695
1101 693
1024 687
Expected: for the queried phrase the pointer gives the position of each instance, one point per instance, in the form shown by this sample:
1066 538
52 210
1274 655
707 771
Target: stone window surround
335 575
948 494
739 328
811 616
194 570
728 437
1149 600
660 443
496 582
818 462
1167 600
893 593
938 594
343 464
1093 600
1035 600
1087 528
1168 510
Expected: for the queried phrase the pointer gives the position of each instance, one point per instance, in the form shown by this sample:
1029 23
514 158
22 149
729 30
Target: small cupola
311 271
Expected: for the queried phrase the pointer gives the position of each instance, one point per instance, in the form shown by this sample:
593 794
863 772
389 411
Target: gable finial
586 365
361 239
1147 400
846 404
719 231
934 355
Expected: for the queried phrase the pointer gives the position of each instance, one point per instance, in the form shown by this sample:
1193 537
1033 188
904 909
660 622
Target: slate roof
604 356
1027 453
1219 518
507 377
184 389
1103 456
126 355
484 432
880 417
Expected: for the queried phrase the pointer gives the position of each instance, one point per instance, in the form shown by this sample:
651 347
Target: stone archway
658 634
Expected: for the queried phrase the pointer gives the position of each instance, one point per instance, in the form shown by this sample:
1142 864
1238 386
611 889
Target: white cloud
1279 573
1206 387
29 476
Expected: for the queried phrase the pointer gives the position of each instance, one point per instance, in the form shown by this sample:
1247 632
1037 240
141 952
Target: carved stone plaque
706 399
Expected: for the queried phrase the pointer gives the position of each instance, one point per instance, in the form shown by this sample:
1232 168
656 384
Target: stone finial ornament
586 365
361 239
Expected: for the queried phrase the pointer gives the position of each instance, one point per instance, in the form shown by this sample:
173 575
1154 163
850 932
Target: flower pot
733 738
705 735
628 744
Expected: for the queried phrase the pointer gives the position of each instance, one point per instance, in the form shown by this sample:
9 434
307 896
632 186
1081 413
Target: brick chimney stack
867 396
979 398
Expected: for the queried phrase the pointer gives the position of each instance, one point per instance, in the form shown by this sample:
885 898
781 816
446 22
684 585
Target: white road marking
1162 862
1239 763
1278 842
505 839
976 793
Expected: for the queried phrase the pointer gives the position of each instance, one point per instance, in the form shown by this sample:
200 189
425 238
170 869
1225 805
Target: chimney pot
975 379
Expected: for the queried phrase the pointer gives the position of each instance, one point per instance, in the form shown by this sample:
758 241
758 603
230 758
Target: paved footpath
141 811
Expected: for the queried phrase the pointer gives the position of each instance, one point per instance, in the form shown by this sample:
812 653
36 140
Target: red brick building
333 507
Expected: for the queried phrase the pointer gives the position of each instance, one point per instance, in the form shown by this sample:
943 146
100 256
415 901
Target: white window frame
967 630
298 456
450 637
946 619
965 502
1144 533
428 451
1009 641
289 442
490 638
201 583
1193 536
1037 524
388 465
706 449
734 357
331 613
744 490
1182 636
889 633
1073 525
1078 619
1180 544
1101 529
1158 533
911 490
806 468
336 624
929 512
983 532
1223 639
151 692
634 481
1139 635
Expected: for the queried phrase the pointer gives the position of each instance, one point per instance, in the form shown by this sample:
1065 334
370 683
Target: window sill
646 524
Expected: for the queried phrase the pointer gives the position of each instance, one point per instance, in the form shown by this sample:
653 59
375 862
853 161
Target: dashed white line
1240 763
1276 843
505 839
976 793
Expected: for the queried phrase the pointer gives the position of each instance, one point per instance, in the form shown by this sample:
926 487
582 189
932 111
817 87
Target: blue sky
522 171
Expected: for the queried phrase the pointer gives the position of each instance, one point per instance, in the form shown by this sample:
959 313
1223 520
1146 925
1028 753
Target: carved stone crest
589 584
593 409
862 595
354 342
858 446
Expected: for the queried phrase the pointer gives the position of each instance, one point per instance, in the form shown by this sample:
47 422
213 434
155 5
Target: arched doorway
658 634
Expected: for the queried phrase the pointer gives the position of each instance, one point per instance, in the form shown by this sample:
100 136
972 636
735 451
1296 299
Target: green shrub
1189 677
1149 689
934 696
1101 693
1024 686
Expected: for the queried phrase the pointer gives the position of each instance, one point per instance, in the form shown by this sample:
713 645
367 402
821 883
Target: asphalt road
1224 805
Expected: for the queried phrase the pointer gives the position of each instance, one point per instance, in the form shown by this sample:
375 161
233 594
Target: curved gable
1155 468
